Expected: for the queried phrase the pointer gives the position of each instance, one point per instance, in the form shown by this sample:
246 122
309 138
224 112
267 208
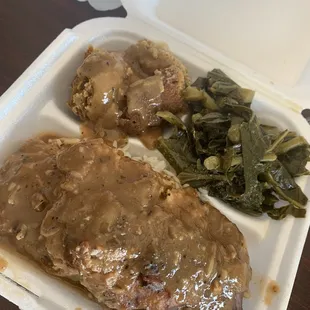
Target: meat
29 182
99 87
126 233
143 101
145 57
104 89
174 81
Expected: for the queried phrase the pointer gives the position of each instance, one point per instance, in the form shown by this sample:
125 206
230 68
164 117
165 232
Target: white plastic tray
35 103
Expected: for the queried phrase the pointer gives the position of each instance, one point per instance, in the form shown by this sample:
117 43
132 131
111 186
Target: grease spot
3 264
271 291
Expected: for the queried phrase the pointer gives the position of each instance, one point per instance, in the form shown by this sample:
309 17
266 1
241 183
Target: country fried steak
129 235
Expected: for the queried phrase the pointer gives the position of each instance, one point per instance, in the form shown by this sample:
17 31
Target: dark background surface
27 27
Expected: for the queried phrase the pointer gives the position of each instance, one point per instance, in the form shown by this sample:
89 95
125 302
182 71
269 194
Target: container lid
267 37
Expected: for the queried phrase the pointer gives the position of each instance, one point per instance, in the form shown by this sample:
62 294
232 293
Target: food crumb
3 264
247 295
272 289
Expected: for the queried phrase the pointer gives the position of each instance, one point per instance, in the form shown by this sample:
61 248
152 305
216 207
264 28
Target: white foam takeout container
35 103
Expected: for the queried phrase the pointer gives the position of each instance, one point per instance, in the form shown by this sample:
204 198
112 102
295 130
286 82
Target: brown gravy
86 131
150 137
108 135
133 220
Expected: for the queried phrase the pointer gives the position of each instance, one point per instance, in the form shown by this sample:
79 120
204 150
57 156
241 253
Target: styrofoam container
104 5
36 103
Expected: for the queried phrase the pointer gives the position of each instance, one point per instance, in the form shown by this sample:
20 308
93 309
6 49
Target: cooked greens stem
193 94
291 144
247 94
223 88
209 102
233 133
303 173
235 161
212 163
279 191
269 157
172 119
187 177
278 141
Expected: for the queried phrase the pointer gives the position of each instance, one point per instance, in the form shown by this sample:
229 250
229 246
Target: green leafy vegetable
253 151
198 180
221 85
278 140
177 151
223 88
269 157
249 165
193 94
271 133
247 95
291 144
217 75
200 83
172 119
281 213
284 184
295 161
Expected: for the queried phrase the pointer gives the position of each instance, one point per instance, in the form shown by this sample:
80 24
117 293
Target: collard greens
224 148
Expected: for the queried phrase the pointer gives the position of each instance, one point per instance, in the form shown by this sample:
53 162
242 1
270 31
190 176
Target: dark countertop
28 27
